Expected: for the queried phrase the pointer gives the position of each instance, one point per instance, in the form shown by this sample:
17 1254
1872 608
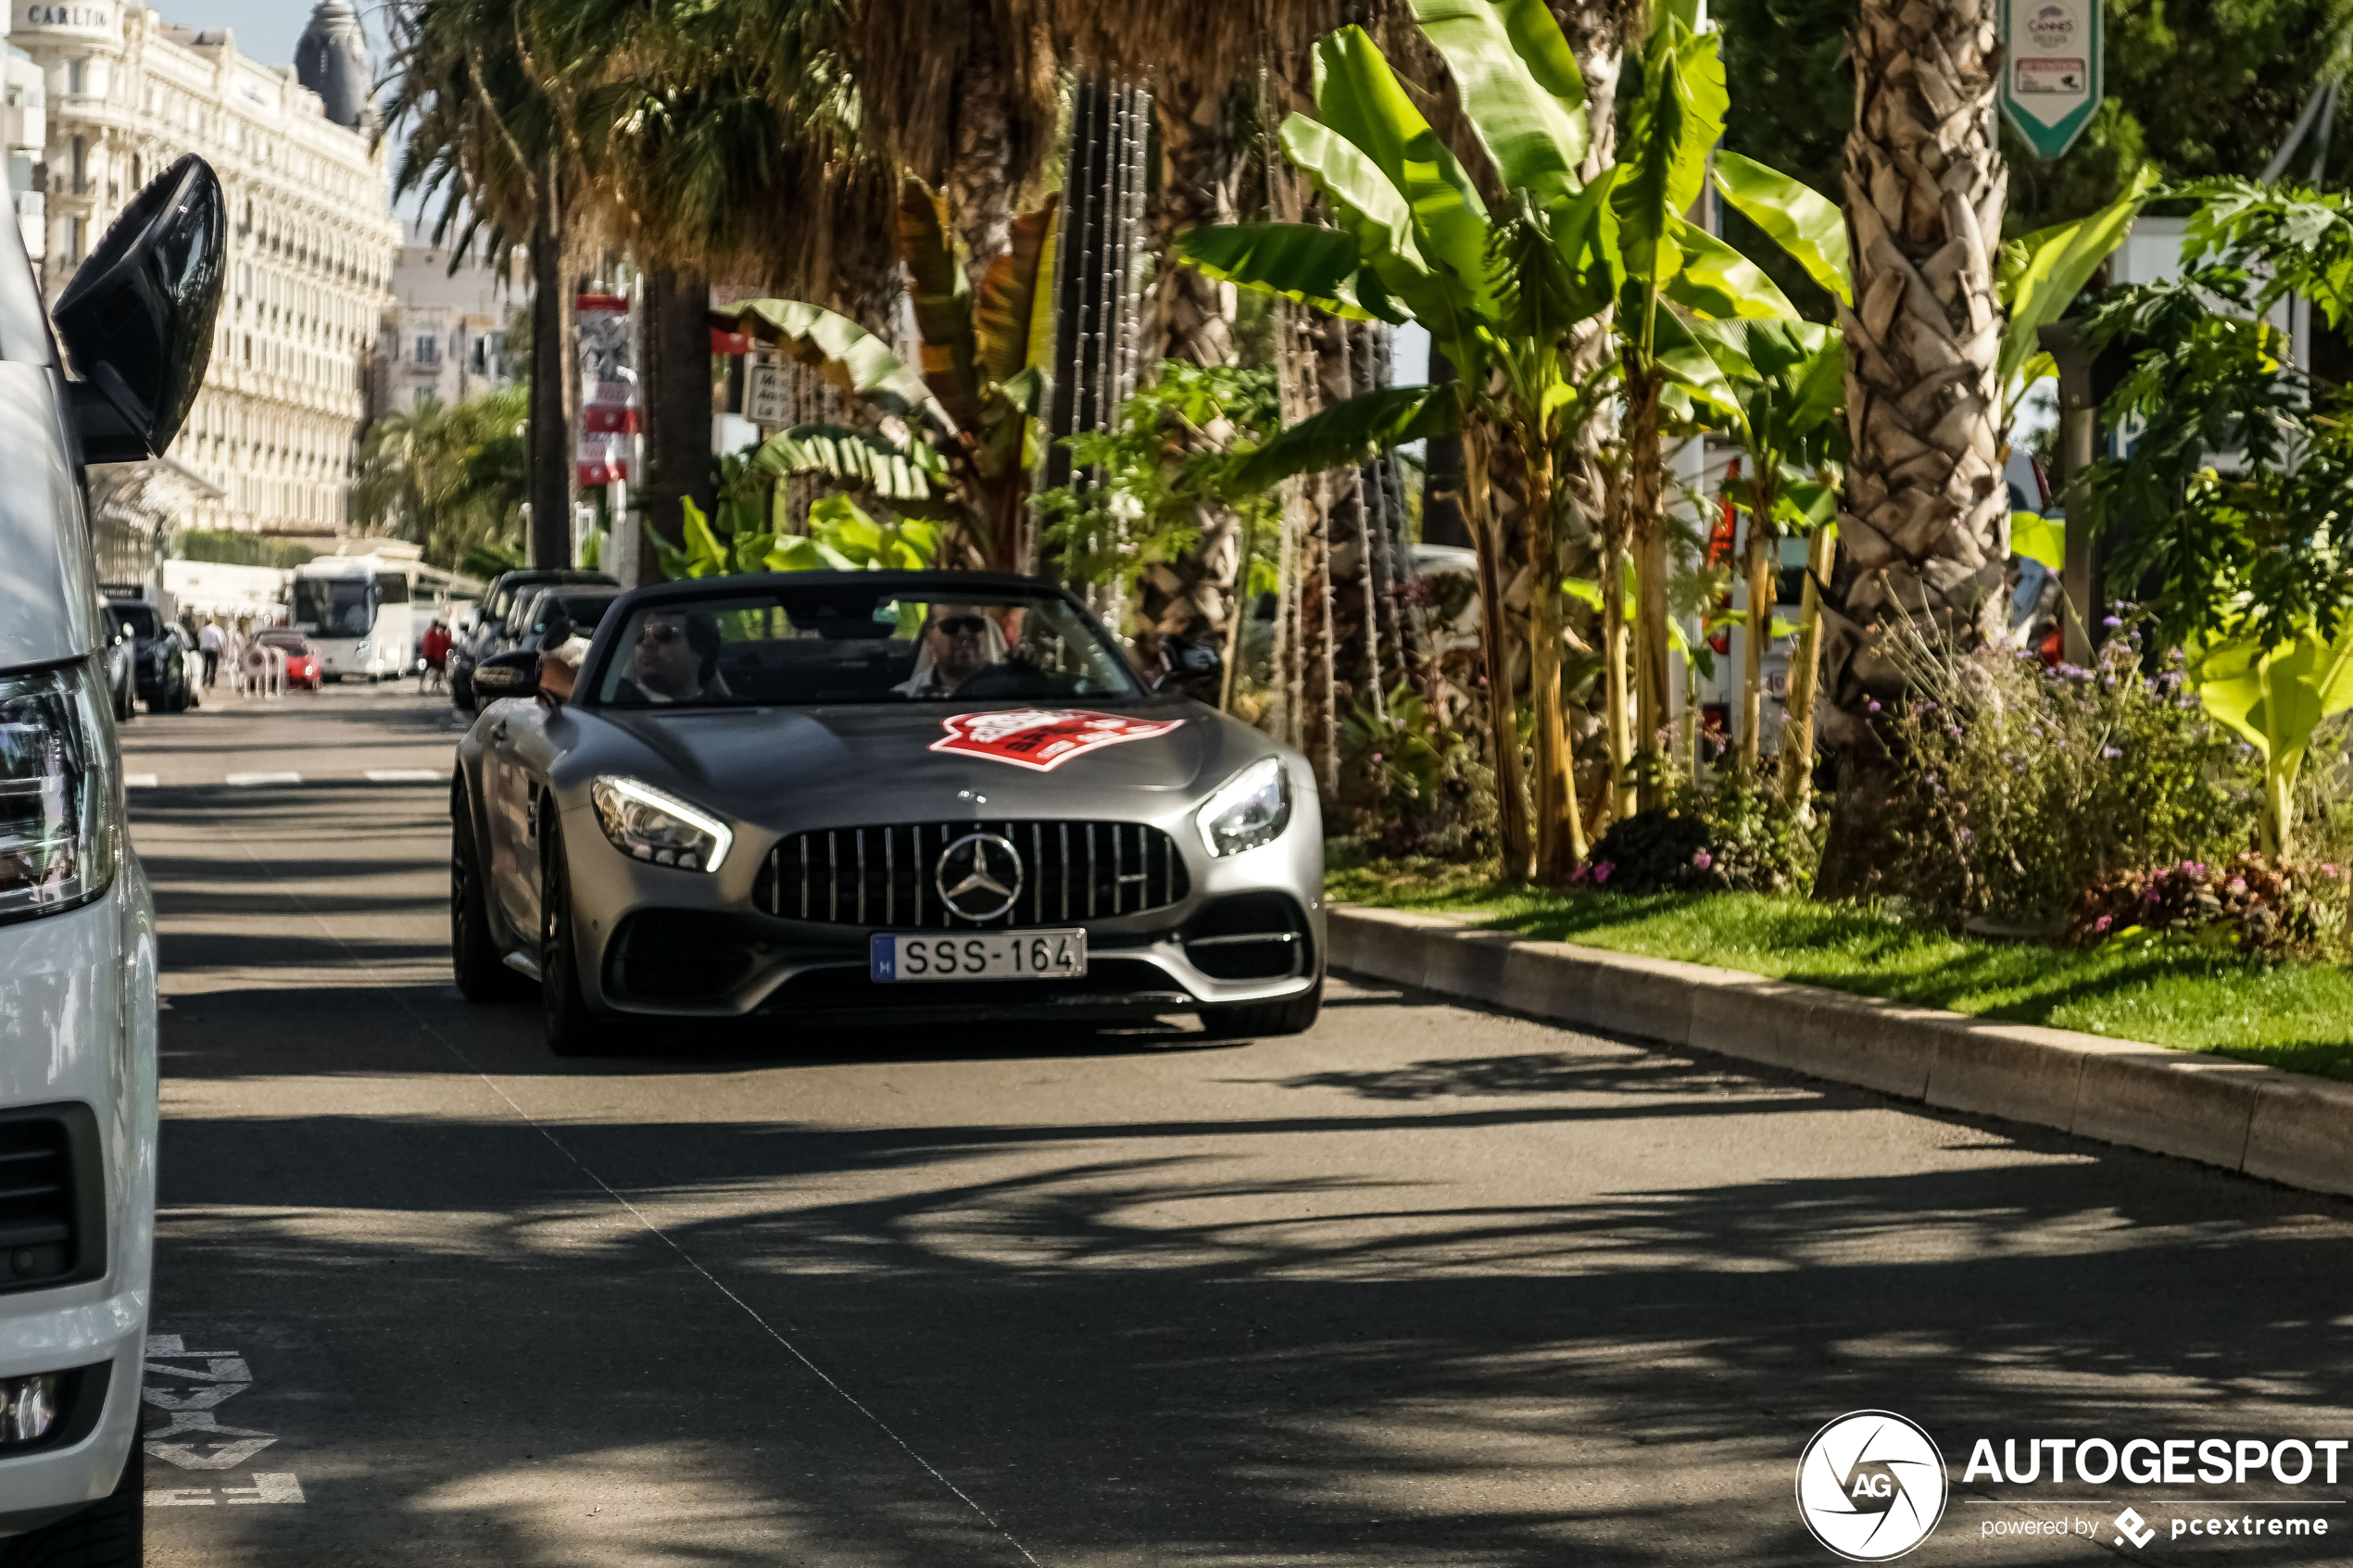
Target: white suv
77 927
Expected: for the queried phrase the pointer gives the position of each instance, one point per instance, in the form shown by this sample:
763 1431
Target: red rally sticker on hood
1042 738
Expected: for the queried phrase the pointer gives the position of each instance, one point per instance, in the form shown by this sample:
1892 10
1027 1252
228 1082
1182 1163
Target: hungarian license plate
994 955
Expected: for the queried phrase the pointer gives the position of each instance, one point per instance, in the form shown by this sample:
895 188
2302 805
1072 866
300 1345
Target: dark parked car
160 656
489 635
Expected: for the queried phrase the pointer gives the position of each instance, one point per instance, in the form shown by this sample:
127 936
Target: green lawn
2294 1016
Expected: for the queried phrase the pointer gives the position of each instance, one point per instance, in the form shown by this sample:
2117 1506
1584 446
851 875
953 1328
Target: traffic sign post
2051 70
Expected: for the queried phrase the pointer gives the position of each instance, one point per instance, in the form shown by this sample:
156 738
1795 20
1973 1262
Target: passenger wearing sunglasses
957 641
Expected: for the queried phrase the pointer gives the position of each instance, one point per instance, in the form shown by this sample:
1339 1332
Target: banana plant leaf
1792 215
2041 275
1671 126
903 475
1015 316
1360 98
1715 280
1348 434
1376 213
942 301
1299 262
1683 357
2039 538
2276 698
1519 87
838 348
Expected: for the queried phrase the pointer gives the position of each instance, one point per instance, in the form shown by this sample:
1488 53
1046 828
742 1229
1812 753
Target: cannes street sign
2051 70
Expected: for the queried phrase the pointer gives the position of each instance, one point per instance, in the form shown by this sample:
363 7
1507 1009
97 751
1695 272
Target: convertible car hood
856 764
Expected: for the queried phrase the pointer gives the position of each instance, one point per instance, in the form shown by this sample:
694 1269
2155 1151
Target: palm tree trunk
1926 524
1494 641
677 401
980 177
1805 680
553 392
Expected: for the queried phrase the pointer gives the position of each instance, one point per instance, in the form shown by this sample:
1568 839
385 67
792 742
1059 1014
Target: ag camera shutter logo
1870 1486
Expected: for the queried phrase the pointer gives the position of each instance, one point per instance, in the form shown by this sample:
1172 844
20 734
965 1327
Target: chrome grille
882 877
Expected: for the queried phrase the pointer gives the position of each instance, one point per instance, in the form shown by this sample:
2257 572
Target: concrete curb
2281 1126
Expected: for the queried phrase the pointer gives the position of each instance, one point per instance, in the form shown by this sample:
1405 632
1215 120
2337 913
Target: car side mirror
508 674
136 322
1188 661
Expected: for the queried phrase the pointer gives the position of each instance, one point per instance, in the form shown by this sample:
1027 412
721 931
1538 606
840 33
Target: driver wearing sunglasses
957 641
675 658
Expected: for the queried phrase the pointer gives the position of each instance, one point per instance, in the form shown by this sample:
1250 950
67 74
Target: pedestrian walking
433 651
209 642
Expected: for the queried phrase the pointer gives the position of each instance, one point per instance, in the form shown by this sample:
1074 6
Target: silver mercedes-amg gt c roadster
841 797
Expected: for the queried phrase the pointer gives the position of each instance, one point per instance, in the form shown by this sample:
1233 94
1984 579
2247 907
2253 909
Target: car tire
461 692
111 1532
480 969
126 707
571 1026
1264 1021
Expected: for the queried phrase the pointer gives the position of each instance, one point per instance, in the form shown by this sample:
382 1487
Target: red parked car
302 659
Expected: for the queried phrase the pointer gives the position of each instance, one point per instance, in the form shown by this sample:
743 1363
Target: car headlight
58 833
1251 808
646 824
361 651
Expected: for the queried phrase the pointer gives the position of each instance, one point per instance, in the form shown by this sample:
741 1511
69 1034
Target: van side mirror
136 322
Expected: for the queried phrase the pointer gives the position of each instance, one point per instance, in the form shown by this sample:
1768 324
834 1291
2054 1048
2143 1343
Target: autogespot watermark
1872 1485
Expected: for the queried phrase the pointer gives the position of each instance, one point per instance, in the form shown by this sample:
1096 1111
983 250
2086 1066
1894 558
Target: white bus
356 610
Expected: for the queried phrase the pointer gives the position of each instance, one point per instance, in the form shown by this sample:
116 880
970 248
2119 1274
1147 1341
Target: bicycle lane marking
191 1377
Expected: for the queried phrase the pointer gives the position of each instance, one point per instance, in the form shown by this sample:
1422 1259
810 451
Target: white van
77 926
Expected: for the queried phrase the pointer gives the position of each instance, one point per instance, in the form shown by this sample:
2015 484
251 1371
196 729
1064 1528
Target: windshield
834 643
334 606
285 640
584 609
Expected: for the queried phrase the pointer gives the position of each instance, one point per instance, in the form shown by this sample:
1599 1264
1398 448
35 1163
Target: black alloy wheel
572 1028
475 962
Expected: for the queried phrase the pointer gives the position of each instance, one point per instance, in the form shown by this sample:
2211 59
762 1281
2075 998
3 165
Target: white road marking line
244 779
425 1026
138 781
406 775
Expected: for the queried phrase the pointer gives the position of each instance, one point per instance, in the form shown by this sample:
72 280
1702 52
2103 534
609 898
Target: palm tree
450 477
1925 530
484 86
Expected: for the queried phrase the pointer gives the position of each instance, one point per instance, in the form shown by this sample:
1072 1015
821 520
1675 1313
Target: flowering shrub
1736 839
2248 904
2015 787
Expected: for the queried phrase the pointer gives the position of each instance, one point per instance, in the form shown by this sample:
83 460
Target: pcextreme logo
1870 1486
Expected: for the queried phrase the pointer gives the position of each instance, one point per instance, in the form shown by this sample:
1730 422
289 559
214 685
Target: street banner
2051 70
609 410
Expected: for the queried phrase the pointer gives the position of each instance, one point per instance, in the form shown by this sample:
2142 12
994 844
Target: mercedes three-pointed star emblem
979 876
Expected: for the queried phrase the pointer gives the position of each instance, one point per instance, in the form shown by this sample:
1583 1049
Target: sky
266 29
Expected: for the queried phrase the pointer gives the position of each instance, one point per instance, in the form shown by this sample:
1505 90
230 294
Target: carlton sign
63 18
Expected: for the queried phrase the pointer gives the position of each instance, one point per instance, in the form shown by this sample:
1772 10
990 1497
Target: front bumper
716 954
78 1027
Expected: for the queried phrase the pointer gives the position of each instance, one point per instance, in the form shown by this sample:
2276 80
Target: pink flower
1702 860
2327 870
2103 924
1601 871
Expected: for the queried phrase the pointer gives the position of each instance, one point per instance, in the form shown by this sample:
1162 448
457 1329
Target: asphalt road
1429 1285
